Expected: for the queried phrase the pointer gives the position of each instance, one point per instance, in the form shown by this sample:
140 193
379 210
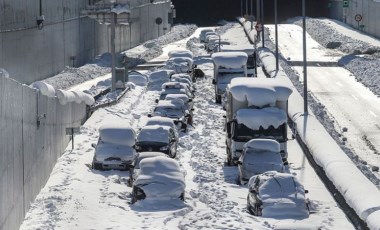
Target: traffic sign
259 27
345 3
358 17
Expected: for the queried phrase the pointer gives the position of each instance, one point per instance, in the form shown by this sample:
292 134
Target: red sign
358 17
258 27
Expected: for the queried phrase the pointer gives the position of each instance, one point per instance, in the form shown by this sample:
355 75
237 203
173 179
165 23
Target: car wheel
97 166
257 210
238 180
182 197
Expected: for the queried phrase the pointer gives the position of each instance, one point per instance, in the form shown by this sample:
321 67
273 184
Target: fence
32 137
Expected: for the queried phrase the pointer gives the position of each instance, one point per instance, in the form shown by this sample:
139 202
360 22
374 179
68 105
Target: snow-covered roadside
352 183
363 54
101 66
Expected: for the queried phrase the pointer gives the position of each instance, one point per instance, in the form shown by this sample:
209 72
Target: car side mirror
131 166
173 140
239 162
306 191
149 115
224 116
187 115
156 100
213 81
190 100
286 163
192 109
195 66
93 145
193 91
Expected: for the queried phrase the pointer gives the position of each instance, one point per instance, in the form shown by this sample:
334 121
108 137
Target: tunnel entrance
210 12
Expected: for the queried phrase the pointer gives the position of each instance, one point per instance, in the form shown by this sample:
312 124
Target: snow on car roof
160 176
165 121
105 150
181 59
168 103
183 97
260 145
117 134
153 133
230 59
181 75
248 49
180 53
260 91
254 118
160 75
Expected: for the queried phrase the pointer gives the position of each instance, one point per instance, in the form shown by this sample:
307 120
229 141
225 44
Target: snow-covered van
256 108
227 65
248 49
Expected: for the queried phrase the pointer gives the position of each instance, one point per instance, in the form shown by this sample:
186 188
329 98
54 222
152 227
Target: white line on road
372 113
339 84
354 97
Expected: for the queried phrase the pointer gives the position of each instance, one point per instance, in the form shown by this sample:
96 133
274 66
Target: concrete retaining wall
368 9
67 38
28 151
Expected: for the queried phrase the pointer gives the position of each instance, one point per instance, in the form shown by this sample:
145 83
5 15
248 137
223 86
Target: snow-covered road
77 197
348 103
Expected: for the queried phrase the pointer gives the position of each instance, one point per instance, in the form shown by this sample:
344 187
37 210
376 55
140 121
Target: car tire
249 207
257 210
182 196
229 157
238 179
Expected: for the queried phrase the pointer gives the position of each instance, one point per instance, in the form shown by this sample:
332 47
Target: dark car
155 138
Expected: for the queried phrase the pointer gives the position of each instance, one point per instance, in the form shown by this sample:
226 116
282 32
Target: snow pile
160 76
138 78
81 97
180 53
268 61
256 118
118 134
249 28
64 96
44 88
119 9
233 60
161 121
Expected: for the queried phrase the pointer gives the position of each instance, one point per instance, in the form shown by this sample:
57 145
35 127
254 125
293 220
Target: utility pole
304 57
262 21
276 32
113 54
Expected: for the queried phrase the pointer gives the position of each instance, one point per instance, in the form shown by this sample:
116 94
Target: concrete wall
29 152
30 54
369 9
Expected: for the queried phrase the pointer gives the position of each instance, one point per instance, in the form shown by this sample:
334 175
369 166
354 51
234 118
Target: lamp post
276 32
113 53
241 8
304 57
262 20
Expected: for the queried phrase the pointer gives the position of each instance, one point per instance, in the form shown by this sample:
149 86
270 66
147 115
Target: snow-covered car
277 195
188 102
212 41
202 35
259 156
134 168
163 121
208 35
156 138
114 149
184 81
180 53
180 64
177 85
165 92
173 110
160 178
181 75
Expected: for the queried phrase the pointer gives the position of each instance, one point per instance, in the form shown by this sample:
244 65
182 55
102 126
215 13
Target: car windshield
225 78
169 111
242 132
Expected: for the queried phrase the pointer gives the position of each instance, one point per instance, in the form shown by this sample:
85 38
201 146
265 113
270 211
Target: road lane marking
355 97
372 113
339 84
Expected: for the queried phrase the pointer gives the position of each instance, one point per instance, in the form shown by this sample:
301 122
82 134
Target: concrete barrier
32 137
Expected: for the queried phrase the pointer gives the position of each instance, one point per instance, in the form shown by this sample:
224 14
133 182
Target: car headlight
164 148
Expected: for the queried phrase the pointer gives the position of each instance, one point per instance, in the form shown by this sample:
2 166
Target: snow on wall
339 168
29 149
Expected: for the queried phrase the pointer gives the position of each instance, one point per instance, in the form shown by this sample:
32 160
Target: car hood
292 206
105 151
161 189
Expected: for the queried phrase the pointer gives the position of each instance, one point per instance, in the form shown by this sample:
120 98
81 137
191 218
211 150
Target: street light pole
262 20
241 8
304 57
276 32
113 55
246 7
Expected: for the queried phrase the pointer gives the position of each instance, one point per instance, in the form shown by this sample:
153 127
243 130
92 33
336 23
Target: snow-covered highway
77 197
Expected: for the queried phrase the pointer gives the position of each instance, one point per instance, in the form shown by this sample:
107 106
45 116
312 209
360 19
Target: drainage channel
338 197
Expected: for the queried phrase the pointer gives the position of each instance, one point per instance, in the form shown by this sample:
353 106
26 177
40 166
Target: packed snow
230 60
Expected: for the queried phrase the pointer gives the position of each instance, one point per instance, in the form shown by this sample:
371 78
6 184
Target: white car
173 110
114 149
134 168
159 178
186 100
277 195
202 35
259 156
177 85
180 64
